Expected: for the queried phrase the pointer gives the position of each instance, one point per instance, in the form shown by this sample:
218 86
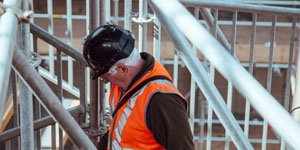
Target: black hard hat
105 46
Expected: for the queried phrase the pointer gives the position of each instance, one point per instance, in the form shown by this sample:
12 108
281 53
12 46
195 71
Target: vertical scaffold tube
143 10
8 30
94 84
26 101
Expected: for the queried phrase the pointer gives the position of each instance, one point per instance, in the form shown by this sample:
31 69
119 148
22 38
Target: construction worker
148 112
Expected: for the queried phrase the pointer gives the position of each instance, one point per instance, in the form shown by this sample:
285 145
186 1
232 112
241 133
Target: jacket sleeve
102 145
166 117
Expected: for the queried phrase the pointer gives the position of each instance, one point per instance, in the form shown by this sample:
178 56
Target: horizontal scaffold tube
242 7
38 124
57 43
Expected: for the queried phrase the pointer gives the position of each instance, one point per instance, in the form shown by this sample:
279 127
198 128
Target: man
148 111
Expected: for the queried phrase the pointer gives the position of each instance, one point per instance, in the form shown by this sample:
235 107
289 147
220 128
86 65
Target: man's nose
104 80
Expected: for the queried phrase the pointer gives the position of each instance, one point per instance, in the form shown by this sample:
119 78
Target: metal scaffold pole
209 19
295 110
173 16
127 14
8 28
214 98
26 105
102 84
143 10
38 124
94 84
116 12
50 101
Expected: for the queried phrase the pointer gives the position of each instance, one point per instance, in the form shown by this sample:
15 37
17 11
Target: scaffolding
199 43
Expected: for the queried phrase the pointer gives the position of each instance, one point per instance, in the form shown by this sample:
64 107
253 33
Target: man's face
114 77
108 77
105 77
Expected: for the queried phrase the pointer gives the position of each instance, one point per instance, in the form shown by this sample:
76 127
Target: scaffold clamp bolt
23 16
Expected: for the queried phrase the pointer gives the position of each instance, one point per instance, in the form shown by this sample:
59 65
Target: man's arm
102 145
167 119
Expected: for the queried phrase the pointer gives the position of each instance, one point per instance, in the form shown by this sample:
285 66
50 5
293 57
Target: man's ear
122 68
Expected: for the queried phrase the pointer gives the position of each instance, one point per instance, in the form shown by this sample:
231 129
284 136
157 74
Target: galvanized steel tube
193 87
210 20
13 78
8 30
38 124
143 10
70 40
83 91
94 14
50 30
289 72
288 76
103 11
94 84
212 77
85 82
102 84
296 99
50 101
269 77
36 104
127 15
59 93
251 67
26 98
107 10
57 43
268 2
156 38
53 137
70 65
170 11
229 87
175 67
116 12
260 99
87 16
234 6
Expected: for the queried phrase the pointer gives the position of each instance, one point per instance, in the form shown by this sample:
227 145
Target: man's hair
131 60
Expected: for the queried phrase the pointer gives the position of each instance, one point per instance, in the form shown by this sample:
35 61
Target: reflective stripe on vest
112 106
123 120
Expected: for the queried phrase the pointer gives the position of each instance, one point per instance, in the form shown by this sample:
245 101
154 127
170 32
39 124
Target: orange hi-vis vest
128 128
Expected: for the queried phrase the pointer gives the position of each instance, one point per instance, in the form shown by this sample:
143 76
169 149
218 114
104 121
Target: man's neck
135 70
